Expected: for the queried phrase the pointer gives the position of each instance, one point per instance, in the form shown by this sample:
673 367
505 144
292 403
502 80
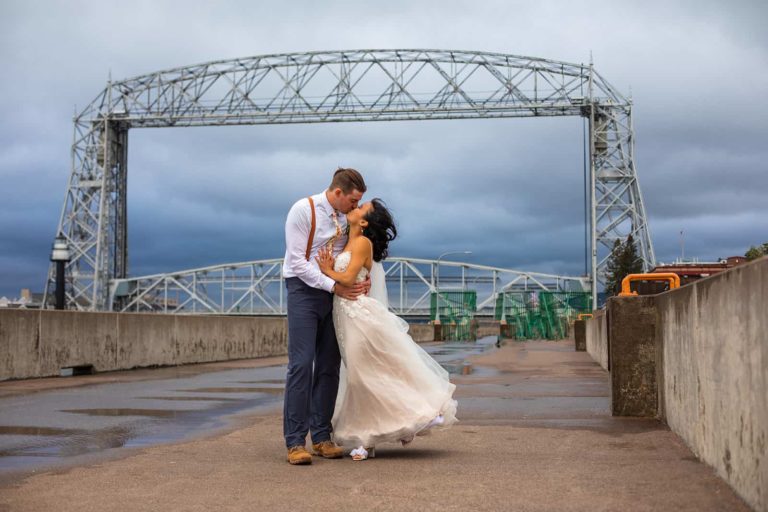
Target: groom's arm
349 292
355 290
297 228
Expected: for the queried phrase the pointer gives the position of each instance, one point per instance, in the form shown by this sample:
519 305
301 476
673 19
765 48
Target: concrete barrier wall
37 343
422 333
40 343
596 331
20 347
632 356
714 373
580 335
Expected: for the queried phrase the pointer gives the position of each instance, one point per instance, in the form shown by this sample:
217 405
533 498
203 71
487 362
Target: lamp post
60 255
437 280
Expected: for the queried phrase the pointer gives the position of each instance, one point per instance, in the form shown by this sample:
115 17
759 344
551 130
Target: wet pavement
45 428
524 387
60 427
535 433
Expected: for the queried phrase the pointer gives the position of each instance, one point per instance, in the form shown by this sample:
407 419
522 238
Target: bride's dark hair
380 229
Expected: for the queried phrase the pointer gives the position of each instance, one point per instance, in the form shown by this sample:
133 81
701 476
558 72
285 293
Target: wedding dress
390 389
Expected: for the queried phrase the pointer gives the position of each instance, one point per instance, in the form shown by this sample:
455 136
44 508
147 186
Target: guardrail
671 278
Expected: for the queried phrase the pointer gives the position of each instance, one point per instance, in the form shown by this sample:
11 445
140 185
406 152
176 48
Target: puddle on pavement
458 367
453 355
65 427
46 447
84 442
37 431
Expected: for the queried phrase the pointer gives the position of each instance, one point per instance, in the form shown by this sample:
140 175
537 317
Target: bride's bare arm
362 250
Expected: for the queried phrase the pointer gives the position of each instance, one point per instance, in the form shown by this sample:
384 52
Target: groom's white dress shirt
297 228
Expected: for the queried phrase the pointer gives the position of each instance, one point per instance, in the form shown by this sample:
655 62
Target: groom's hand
367 284
349 292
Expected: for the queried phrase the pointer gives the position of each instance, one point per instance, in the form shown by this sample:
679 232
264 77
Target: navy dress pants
313 364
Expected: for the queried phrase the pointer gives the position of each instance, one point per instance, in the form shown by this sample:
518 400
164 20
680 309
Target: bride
391 389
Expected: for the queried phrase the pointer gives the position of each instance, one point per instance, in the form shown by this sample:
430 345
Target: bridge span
257 287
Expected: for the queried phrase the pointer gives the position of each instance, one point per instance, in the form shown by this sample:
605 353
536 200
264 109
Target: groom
313 353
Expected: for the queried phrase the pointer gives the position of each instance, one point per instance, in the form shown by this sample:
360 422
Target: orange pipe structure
582 316
671 278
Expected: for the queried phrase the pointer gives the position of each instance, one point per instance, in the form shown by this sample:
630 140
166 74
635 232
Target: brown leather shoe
328 450
298 455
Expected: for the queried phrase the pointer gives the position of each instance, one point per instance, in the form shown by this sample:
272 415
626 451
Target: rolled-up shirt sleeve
297 228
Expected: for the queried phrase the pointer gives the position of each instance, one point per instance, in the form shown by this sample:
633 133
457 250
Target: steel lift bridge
319 87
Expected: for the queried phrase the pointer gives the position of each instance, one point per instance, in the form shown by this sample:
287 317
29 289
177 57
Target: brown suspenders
312 229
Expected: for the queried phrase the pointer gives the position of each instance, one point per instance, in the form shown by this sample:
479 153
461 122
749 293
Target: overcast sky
509 190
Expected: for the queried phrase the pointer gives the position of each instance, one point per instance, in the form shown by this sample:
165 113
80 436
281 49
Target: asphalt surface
535 434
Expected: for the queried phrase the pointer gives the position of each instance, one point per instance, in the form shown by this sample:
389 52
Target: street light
437 280
60 255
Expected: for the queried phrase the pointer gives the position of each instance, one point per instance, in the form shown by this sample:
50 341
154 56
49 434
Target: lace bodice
350 308
342 262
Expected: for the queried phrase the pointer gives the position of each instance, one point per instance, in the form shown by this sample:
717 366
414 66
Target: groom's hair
347 180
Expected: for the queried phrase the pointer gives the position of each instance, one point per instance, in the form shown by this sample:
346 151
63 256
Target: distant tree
612 269
756 252
624 260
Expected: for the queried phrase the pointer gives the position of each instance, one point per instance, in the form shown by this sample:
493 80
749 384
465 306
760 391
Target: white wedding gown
390 388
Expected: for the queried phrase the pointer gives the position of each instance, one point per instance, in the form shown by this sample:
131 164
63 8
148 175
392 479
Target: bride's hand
325 260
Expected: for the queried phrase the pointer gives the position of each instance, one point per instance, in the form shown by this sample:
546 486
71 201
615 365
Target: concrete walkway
535 434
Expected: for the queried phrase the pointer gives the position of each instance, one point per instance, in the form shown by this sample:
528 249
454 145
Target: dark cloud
511 191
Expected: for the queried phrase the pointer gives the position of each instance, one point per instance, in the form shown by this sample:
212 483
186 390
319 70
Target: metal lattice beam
257 287
318 87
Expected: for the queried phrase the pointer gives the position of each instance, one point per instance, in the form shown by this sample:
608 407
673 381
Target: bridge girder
340 86
257 287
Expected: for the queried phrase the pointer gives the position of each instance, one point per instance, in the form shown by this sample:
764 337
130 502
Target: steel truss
317 87
257 287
